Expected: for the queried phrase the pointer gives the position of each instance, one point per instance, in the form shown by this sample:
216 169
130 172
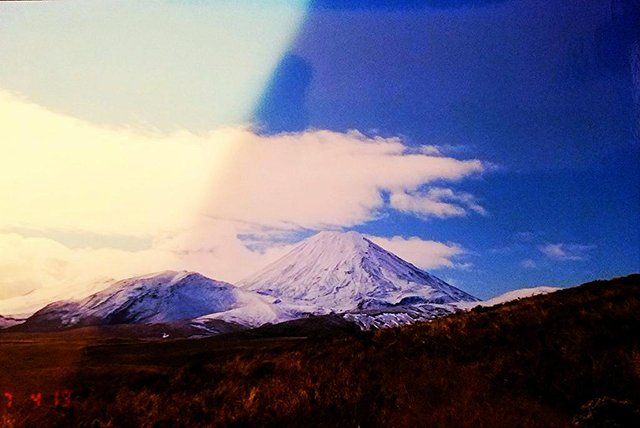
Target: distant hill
9 321
518 294
163 297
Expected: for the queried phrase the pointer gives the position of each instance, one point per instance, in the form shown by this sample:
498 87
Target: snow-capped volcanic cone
156 298
344 271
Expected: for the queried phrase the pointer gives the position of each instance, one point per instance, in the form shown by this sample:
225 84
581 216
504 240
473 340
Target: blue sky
542 94
543 90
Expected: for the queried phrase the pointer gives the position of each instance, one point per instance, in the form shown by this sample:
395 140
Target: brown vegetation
568 358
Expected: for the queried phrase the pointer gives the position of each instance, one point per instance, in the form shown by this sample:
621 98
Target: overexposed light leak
59 172
192 65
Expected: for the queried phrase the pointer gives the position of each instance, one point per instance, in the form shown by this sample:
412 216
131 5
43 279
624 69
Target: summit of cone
345 271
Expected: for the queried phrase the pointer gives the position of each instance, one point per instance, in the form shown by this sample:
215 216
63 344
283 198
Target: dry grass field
571 358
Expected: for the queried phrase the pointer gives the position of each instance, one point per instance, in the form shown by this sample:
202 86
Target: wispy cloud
566 252
446 149
436 202
423 253
528 264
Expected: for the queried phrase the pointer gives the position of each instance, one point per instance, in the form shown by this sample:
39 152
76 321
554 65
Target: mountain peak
330 240
343 271
338 234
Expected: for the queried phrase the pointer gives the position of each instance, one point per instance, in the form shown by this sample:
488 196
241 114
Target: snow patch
509 296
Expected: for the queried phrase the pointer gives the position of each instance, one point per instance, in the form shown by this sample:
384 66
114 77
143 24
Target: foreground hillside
570 357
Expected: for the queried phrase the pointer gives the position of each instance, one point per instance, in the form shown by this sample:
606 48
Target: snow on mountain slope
399 315
344 271
410 314
163 297
518 294
6 322
521 293
254 310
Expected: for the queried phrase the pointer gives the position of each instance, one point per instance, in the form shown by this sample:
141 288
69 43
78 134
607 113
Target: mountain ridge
153 298
328 273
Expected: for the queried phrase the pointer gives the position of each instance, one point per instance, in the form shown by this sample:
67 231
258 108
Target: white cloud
566 252
528 264
321 178
57 172
47 270
436 202
215 248
62 173
424 254
444 149
431 150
